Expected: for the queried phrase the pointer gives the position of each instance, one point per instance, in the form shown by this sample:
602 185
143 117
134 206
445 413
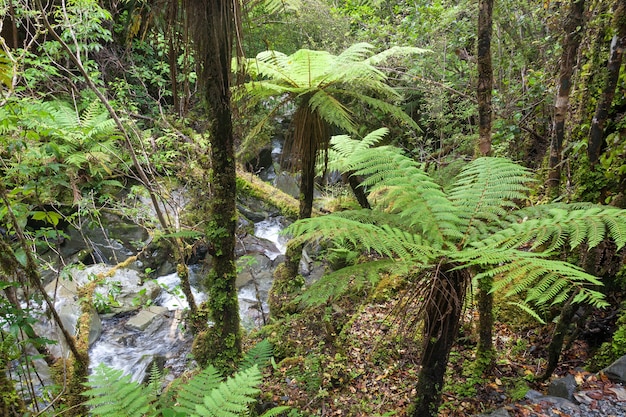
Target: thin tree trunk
558 337
443 314
573 29
598 123
485 76
485 352
485 110
210 24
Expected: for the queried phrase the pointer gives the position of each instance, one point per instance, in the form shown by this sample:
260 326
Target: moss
284 290
213 347
250 184
388 286
11 404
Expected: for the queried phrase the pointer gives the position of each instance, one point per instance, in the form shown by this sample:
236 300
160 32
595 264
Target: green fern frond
113 394
231 398
485 190
276 411
395 51
193 391
545 281
385 240
259 355
554 226
528 310
349 279
343 147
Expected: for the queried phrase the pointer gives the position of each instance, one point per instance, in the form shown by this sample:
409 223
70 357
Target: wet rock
563 387
616 371
145 317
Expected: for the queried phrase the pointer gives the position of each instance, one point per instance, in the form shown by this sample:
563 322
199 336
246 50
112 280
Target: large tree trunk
573 29
618 43
210 24
443 310
485 76
485 81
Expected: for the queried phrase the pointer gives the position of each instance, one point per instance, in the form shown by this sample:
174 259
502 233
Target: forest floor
369 367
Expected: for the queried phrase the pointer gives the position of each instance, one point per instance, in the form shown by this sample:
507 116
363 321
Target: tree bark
561 330
598 123
485 111
573 29
211 28
485 76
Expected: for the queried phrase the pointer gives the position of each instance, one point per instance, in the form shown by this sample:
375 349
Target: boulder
146 317
616 371
563 387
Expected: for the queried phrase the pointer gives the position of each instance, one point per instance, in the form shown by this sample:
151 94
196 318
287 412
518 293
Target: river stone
616 371
145 317
563 387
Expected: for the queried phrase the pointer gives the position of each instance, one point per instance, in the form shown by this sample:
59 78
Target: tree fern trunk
443 313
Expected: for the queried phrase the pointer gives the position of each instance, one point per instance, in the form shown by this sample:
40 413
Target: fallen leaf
619 392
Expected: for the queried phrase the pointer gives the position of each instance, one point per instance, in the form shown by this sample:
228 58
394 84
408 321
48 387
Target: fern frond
485 190
113 394
385 240
545 281
276 411
342 147
400 186
259 355
555 226
231 398
193 391
349 279
395 51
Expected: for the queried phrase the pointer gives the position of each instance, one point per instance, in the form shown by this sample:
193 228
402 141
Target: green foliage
207 394
323 81
259 355
474 223
113 394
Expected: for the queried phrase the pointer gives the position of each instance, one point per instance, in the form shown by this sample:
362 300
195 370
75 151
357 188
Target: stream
133 344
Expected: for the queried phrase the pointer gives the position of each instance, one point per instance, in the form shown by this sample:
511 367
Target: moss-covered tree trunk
210 24
618 43
573 29
443 310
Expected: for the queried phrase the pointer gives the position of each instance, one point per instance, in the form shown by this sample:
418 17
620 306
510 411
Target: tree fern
474 223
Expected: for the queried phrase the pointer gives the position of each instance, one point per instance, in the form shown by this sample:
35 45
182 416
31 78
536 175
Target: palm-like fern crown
477 222
322 82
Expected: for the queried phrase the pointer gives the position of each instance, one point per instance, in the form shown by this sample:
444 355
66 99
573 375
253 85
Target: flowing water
166 340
